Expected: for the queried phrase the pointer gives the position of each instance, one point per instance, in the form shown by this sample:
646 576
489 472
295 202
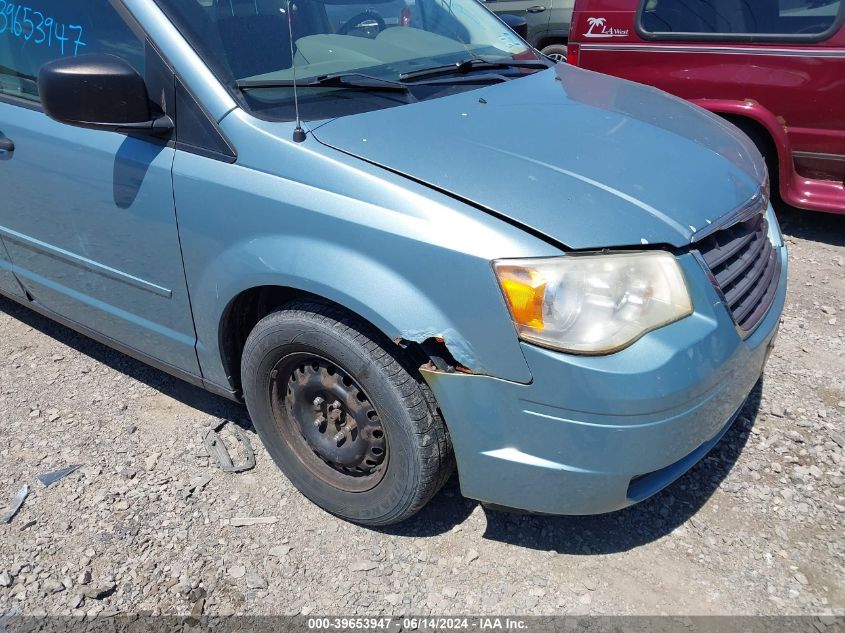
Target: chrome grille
746 268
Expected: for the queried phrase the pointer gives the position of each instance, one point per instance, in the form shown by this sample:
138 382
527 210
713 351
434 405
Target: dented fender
414 262
466 311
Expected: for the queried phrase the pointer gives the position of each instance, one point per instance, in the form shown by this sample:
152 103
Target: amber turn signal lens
525 291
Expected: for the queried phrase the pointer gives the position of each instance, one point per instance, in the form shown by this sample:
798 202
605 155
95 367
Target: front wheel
352 427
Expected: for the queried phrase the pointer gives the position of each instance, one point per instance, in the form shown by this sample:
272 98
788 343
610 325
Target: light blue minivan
407 242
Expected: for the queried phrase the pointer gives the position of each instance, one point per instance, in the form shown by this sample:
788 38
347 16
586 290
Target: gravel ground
148 525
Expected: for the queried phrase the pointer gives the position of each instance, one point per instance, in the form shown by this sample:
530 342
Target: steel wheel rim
329 422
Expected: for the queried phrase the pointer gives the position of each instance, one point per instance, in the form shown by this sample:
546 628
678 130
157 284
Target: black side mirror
518 24
99 92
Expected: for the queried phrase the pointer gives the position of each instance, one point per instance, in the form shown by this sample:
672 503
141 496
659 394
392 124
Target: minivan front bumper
596 434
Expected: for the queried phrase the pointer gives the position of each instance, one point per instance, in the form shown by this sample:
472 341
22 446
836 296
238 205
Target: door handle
537 9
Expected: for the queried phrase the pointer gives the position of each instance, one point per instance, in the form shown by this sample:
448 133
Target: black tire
766 146
557 52
419 456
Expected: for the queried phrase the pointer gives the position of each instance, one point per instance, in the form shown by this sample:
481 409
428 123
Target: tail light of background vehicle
572 54
405 19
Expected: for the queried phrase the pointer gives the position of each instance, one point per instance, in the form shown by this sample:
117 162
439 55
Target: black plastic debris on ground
219 453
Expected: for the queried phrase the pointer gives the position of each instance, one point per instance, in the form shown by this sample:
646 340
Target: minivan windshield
349 55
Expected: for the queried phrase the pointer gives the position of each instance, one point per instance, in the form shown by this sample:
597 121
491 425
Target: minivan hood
589 160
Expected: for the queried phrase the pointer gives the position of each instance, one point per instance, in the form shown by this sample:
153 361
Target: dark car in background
548 22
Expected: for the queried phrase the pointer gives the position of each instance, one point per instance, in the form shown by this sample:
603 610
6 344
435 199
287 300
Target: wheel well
245 311
761 137
548 41
240 318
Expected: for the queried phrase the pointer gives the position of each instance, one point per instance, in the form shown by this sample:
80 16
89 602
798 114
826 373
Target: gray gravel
148 525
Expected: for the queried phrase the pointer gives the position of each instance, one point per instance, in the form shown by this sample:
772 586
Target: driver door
88 217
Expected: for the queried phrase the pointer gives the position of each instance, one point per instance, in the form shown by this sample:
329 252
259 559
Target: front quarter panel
413 262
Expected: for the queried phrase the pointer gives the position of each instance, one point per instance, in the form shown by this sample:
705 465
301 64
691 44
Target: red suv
775 68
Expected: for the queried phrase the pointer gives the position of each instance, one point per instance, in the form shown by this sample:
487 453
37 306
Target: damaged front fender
464 310
433 355
414 262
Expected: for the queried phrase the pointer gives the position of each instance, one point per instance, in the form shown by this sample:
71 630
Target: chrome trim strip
751 207
723 50
819 156
85 263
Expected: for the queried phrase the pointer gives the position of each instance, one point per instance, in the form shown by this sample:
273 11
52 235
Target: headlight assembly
593 304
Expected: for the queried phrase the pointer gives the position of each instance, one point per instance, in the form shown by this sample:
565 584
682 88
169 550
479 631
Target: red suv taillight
572 53
405 20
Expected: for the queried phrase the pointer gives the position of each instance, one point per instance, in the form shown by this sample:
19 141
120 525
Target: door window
733 19
34 32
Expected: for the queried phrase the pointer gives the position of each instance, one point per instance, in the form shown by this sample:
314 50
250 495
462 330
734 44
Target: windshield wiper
469 65
359 81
